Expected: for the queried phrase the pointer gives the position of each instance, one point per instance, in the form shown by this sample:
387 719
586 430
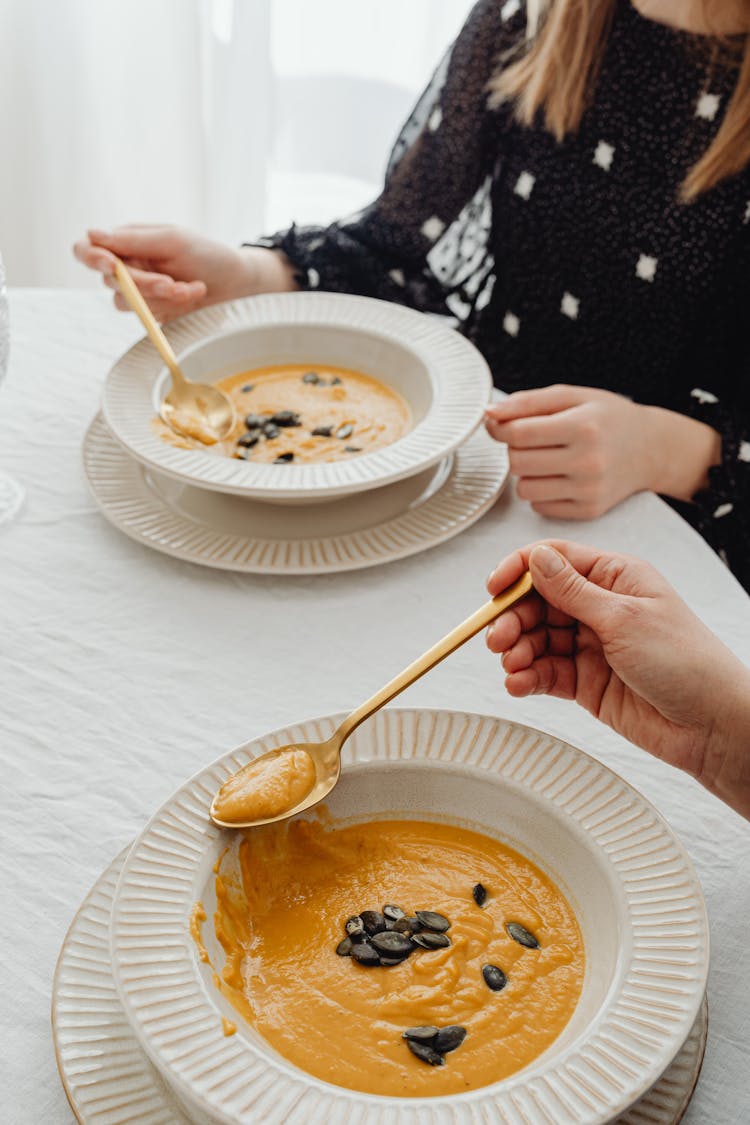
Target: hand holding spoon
289 780
195 410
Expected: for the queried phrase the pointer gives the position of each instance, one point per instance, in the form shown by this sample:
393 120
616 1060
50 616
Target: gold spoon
195 410
308 771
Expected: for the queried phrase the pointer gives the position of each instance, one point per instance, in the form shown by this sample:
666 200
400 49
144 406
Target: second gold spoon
293 778
195 410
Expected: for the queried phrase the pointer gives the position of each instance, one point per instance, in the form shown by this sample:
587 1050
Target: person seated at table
609 631
573 188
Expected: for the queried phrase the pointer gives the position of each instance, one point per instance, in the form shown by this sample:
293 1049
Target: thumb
561 585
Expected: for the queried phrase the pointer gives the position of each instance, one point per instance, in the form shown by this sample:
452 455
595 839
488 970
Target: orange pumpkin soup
282 916
276 782
302 414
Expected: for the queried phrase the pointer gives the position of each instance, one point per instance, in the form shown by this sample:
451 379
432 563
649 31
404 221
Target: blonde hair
557 71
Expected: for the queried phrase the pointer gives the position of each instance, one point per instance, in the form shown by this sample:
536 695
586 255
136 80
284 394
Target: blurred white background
231 116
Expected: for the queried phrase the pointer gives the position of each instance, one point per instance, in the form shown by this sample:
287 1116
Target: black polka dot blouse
574 262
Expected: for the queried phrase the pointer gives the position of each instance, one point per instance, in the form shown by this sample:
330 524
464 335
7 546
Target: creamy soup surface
303 414
282 916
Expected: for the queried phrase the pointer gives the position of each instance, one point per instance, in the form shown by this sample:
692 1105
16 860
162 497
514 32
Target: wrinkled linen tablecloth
124 671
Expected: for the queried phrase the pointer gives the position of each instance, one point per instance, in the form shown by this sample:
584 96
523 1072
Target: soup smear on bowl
395 957
298 413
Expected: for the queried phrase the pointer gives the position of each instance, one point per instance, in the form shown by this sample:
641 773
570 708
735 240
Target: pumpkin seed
256 421
334 381
393 912
365 955
387 961
352 449
431 920
480 894
424 1034
271 431
247 387
494 977
345 431
286 418
354 925
373 921
392 944
311 377
448 1038
283 458
344 948
424 1052
322 431
252 437
431 940
520 934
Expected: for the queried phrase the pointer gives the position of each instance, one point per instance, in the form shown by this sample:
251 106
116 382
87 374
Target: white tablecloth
124 671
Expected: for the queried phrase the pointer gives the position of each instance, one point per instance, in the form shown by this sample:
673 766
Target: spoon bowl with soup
291 779
197 412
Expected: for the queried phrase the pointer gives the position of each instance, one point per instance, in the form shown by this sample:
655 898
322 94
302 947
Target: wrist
680 452
726 762
260 270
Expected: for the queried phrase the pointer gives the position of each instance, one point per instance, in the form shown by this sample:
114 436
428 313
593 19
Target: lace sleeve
424 241
721 512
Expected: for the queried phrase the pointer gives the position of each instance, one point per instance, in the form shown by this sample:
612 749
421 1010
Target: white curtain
230 116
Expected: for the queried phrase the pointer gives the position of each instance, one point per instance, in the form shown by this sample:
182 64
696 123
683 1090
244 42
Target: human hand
578 451
178 270
609 632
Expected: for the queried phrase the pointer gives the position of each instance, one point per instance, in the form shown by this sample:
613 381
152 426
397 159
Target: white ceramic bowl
442 376
627 877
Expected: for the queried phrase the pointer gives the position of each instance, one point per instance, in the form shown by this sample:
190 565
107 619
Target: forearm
681 451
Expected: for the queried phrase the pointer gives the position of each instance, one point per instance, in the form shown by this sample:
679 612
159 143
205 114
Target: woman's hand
578 451
178 270
609 632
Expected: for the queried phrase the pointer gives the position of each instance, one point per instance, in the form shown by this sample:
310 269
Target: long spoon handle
133 296
468 628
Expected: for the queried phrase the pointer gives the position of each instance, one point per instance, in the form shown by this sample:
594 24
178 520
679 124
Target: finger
532 609
136 241
94 257
536 643
189 292
562 586
553 462
505 631
169 298
150 284
551 675
583 558
542 400
565 509
162 312
528 648
544 490
543 432
507 571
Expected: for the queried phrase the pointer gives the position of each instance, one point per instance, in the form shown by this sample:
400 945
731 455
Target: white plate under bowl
443 377
231 533
628 878
108 1079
